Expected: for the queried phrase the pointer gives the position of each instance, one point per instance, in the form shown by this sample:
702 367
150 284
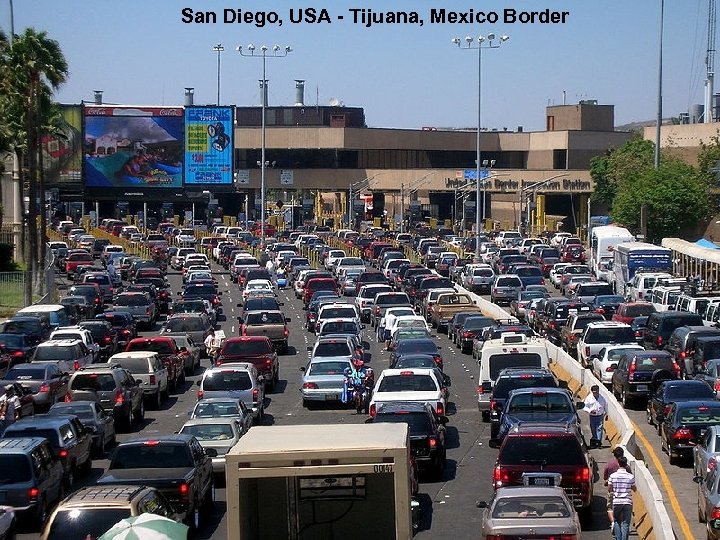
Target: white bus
632 257
603 240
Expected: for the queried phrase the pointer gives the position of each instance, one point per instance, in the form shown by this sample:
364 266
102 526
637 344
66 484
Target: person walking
9 404
596 407
211 346
610 468
622 484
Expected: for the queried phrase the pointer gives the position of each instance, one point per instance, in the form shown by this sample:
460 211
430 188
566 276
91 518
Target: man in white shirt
211 346
596 407
621 484
8 408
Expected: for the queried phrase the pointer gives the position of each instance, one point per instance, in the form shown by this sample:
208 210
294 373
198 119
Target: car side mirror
211 452
443 419
613 367
309 349
302 368
698 479
239 305
283 303
197 383
481 504
288 319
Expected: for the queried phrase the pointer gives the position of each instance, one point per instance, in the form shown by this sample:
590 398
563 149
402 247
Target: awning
703 242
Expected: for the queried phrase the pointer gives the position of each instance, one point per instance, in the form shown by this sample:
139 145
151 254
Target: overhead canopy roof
691 249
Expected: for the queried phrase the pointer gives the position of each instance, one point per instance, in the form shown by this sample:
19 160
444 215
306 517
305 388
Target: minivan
238 380
706 348
681 344
660 325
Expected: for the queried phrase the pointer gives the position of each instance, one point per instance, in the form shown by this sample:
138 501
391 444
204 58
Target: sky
140 52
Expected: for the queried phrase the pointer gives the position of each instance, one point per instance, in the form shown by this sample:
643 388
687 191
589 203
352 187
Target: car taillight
494 405
18 354
638 333
587 351
147 311
717 385
631 371
467 335
119 398
362 303
440 409
600 310
683 434
153 380
373 410
184 489
676 369
438 359
377 310
480 389
107 339
582 474
76 365
200 394
98 300
500 477
286 332
215 301
553 325
310 386
712 464
243 330
44 387
658 340
255 394
62 453
432 441
572 337
67 398
33 493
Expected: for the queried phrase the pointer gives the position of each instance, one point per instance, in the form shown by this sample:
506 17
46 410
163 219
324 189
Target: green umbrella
146 527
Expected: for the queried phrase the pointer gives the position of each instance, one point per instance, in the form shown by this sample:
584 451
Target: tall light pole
277 52
658 120
218 49
470 44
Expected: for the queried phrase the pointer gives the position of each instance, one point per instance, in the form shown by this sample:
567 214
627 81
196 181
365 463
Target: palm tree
31 68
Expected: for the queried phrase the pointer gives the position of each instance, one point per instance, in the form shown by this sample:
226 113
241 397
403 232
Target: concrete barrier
650 517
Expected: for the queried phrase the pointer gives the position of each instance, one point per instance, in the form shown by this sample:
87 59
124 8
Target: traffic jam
167 347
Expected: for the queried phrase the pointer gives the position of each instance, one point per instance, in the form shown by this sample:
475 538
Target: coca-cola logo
96 111
171 112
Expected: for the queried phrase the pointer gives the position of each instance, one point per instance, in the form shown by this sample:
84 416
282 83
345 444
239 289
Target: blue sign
209 145
471 174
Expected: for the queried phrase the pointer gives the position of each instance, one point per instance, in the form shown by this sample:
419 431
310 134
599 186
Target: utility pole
402 207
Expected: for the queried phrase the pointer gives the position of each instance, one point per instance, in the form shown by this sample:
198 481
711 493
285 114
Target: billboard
62 152
132 147
209 145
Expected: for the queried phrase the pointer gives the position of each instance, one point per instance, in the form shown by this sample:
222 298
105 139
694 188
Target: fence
12 289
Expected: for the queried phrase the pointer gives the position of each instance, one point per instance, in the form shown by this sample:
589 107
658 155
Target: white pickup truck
421 385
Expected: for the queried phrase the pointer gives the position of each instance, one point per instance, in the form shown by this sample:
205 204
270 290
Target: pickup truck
573 329
447 305
172 356
175 464
271 324
419 385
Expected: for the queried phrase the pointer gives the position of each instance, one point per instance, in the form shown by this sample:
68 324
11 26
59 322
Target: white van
664 298
695 304
509 351
54 312
642 285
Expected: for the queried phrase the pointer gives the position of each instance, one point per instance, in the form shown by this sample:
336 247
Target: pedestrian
211 346
596 407
8 408
610 468
622 483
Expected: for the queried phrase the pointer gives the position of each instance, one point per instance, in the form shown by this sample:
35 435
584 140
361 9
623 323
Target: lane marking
685 528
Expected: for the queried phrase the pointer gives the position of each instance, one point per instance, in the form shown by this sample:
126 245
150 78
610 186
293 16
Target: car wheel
194 518
70 478
624 399
648 417
157 401
100 449
42 512
140 413
128 421
165 394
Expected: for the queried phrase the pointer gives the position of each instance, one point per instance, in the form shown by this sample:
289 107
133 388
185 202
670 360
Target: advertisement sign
242 176
208 145
132 147
286 177
62 154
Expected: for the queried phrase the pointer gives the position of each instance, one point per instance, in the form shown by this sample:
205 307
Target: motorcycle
358 392
281 278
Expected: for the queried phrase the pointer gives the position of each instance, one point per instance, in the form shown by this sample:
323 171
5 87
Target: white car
348 262
366 298
185 237
602 362
334 256
400 319
81 334
558 238
420 385
388 320
255 285
556 273
602 334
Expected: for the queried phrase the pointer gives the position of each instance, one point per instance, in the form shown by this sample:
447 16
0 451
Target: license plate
331 397
539 481
572 311
642 387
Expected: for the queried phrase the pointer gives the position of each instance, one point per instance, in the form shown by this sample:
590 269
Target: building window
560 159
550 123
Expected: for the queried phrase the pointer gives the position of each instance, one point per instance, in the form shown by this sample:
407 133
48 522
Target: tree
31 68
708 159
676 196
622 165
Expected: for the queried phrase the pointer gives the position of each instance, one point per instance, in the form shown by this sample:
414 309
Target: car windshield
132 300
539 401
704 414
136 366
210 432
529 507
25 374
332 348
407 383
14 469
183 324
328 368
16 431
227 380
498 362
247 347
261 318
149 456
418 422
99 382
211 409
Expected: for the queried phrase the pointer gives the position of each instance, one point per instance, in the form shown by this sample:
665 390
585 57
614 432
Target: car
93 417
37 329
602 362
505 288
531 512
675 392
114 388
627 311
426 429
519 304
417 346
223 407
140 305
18 346
706 453
682 344
256 350
708 505
602 334
683 424
218 433
547 455
122 323
235 380
710 374
68 354
660 326
32 477
46 382
80 334
418 385
638 374
91 511
324 376
196 325
68 438
148 368
79 306
189 350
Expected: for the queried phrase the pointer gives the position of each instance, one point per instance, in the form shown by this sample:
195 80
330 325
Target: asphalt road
449 505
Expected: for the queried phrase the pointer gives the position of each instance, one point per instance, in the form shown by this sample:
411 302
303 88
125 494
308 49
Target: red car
257 350
318 284
626 312
172 357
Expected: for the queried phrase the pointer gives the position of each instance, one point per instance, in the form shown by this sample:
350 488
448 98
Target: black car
511 379
36 329
18 346
314 306
684 424
122 323
91 292
682 344
265 303
92 416
558 316
607 304
164 294
104 335
639 373
427 432
661 325
414 346
674 392
472 328
638 325
79 308
456 323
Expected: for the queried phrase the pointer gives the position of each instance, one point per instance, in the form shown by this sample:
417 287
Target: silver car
223 408
139 305
196 325
529 512
505 288
192 359
706 453
324 376
709 500
239 380
220 434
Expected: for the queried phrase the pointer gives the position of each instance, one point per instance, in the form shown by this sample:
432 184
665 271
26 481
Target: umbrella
146 527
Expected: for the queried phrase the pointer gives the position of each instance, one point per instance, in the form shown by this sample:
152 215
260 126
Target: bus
632 257
603 240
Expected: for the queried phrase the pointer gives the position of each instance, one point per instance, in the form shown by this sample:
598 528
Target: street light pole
218 49
658 120
277 52
470 44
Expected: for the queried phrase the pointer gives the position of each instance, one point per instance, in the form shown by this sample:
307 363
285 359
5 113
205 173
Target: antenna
710 63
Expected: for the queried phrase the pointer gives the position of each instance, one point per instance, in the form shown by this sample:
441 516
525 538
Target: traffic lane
675 481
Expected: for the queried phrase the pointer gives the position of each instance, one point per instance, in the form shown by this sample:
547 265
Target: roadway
448 504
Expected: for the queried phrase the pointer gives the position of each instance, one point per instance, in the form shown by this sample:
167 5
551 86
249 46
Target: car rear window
670 323
418 422
333 327
247 348
326 348
504 385
540 401
25 374
508 282
592 289
651 363
14 469
528 271
640 310
408 383
392 300
423 361
622 334
136 366
160 347
50 354
704 414
210 432
207 410
417 346
132 300
338 313
99 279
529 507
227 379
265 318
17 431
328 368
498 362
475 323
541 450
142 456
689 391
483 272
183 324
99 382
